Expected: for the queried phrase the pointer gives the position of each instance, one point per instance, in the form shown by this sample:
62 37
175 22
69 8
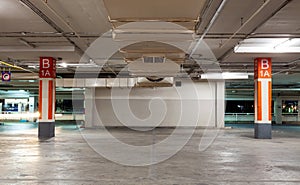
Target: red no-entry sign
6 76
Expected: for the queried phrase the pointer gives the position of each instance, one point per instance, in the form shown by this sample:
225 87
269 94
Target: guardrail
239 117
249 117
34 116
69 116
18 116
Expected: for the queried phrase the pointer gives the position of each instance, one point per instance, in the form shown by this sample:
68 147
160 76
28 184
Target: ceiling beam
43 16
37 49
203 14
194 48
231 50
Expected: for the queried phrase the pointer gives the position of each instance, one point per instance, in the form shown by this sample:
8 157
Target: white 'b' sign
263 68
47 67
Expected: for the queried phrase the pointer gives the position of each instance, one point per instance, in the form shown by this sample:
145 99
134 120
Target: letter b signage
47 67
263 68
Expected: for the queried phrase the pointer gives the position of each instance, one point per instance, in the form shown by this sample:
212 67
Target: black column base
263 131
46 130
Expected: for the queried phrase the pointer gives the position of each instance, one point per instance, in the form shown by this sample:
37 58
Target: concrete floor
234 158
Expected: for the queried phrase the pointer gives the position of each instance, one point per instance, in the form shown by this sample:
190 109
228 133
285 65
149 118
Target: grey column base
263 131
46 130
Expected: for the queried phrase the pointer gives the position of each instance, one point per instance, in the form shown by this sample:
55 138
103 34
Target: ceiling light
92 62
287 43
267 45
266 50
225 76
64 65
79 65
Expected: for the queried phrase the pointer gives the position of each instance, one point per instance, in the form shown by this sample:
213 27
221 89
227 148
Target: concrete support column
263 98
220 104
47 97
31 104
278 111
298 118
20 107
89 106
31 107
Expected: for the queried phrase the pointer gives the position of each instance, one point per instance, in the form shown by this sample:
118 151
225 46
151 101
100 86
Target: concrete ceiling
32 28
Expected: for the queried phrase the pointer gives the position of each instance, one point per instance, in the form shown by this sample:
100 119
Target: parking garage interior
149 92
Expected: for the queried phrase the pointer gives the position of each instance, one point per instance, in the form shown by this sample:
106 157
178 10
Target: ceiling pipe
203 14
15 67
274 89
81 52
95 35
251 64
37 49
284 70
247 22
230 51
38 12
26 43
62 19
211 23
294 62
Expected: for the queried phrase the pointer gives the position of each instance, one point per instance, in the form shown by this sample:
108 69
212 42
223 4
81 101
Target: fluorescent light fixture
267 45
225 76
266 50
285 43
64 65
83 65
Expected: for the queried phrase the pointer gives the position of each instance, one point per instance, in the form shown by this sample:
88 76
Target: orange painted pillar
263 98
47 97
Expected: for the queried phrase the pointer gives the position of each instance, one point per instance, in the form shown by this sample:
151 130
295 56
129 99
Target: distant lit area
290 107
22 105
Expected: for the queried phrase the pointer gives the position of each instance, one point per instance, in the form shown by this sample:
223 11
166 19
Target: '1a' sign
263 68
47 67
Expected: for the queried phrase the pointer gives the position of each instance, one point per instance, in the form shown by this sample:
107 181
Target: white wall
200 104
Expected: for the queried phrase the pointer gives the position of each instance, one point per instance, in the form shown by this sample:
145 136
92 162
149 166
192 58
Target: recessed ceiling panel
180 11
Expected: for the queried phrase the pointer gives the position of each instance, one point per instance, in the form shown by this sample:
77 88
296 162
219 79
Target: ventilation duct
154 81
156 60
